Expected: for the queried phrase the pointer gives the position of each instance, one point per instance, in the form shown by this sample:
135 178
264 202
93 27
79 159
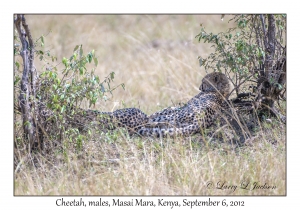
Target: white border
7 201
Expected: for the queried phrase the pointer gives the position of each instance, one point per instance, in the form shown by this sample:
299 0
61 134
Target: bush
50 101
253 56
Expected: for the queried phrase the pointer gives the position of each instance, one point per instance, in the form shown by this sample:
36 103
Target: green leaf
55 98
123 86
80 51
16 80
93 101
49 105
75 55
112 75
57 80
65 61
54 75
96 61
42 41
199 37
27 123
97 79
53 58
90 57
17 65
63 109
81 70
76 48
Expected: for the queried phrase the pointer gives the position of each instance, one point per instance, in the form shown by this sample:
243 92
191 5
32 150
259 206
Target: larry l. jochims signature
245 185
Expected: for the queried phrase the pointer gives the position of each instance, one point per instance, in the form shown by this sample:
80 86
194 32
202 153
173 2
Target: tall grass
155 56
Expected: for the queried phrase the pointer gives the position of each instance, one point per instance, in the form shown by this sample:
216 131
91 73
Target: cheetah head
216 82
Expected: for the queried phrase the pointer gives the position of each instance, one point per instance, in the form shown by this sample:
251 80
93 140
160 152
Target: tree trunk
28 83
272 81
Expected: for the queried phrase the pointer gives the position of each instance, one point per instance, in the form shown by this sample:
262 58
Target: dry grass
124 44
156 58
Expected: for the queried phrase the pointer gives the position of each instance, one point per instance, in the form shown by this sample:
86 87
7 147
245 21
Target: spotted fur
197 113
130 118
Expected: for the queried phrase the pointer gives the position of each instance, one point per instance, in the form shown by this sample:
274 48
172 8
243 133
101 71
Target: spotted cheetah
130 118
197 113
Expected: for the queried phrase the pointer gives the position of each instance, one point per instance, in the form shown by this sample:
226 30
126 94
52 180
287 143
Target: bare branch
31 56
271 39
28 123
264 30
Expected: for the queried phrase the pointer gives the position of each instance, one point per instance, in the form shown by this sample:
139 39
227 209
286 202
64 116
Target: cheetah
199 112
130 118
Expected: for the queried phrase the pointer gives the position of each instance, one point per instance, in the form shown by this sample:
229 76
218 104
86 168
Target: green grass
156 57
